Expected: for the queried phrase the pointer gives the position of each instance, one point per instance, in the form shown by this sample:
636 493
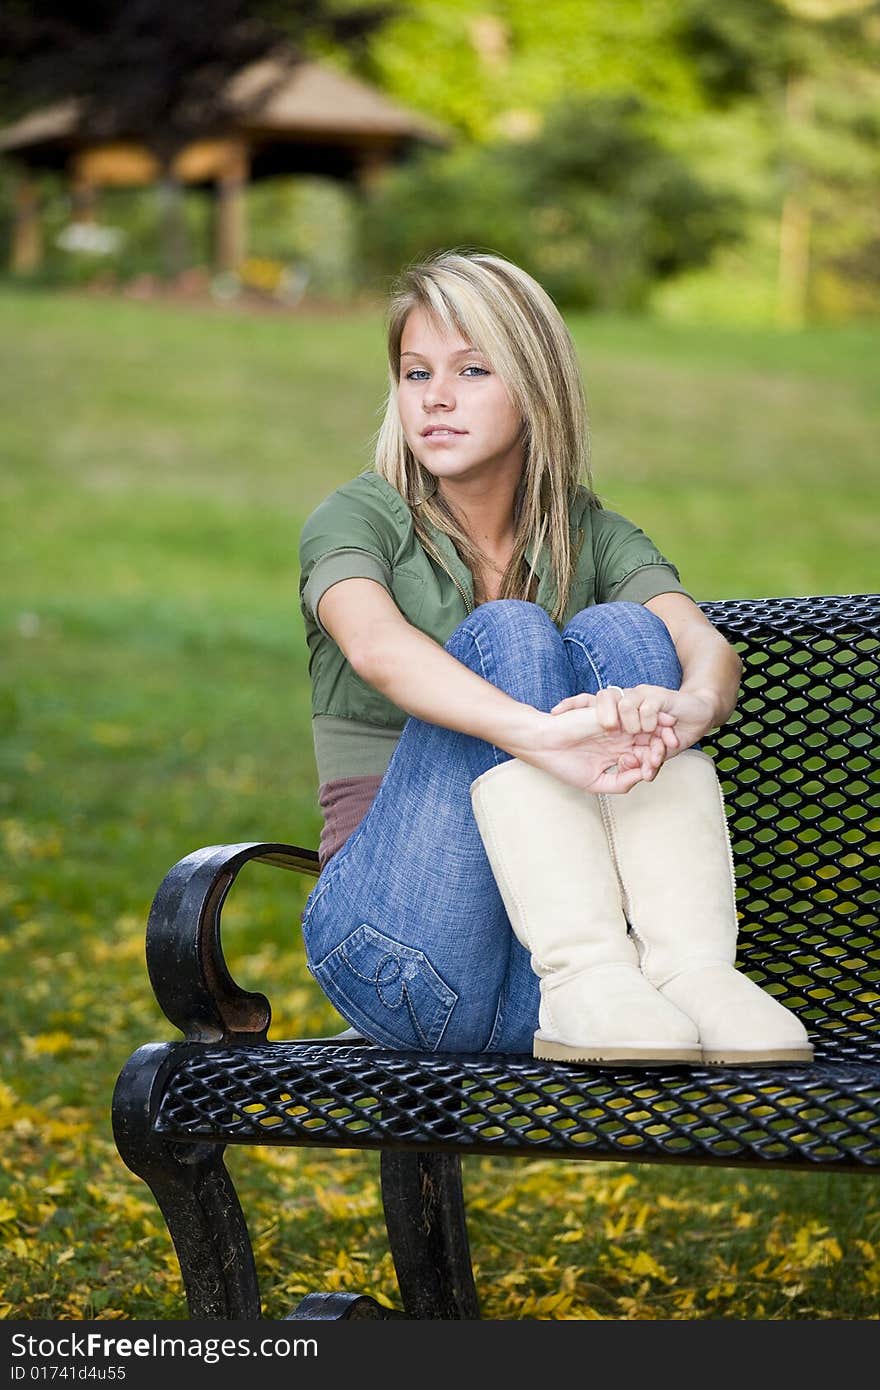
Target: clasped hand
611 741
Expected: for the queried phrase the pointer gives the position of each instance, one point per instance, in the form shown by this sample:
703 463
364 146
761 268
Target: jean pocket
388 990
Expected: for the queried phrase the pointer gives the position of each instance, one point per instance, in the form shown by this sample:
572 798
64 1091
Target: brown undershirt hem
344 802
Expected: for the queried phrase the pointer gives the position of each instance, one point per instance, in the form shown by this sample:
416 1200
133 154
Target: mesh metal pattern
355 1096
798 762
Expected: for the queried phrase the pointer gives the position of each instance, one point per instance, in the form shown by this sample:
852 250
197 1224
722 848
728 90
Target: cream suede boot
548 851
670 842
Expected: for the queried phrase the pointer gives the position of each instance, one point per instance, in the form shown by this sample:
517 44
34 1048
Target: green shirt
365 530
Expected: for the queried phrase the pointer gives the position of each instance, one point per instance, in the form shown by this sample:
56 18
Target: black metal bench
798 761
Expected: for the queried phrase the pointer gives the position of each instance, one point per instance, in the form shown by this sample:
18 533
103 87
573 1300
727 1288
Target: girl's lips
443 436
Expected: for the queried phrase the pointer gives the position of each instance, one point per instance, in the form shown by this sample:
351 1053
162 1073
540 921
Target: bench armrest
184 953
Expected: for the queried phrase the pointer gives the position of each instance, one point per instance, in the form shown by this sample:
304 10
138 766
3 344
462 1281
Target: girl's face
457 416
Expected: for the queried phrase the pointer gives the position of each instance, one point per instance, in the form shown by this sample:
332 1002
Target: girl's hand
649 708
574 746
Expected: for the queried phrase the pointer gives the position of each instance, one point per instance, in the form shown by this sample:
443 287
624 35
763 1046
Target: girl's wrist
711 698
523 736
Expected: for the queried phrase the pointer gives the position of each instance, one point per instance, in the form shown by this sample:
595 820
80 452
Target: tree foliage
592 205
774 104
161 73
154 71
771 107
811 73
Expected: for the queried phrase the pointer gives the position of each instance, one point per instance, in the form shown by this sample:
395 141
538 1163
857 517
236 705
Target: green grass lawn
157 465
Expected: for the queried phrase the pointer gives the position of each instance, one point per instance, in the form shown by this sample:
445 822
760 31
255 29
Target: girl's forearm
424 680
711 668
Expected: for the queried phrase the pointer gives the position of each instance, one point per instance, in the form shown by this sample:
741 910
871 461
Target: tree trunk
230 215
795 223
26 250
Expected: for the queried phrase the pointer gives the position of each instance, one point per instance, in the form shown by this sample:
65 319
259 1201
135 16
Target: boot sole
639 1056
728 1057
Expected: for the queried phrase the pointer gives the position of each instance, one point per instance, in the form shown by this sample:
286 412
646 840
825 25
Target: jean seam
325 880
443 995
483 672
498 1025
358 1016
577 642
364 1019
417 1027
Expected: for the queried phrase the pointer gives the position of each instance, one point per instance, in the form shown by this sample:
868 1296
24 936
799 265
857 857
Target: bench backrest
799 762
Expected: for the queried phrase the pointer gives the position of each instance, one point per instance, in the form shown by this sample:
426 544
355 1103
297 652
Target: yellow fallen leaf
720 1291
643 1263
646 1264
48 1044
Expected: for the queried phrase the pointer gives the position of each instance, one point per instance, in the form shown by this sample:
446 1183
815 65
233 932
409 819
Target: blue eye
417 372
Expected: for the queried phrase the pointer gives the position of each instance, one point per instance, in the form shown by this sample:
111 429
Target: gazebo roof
47 125
274 101
315 97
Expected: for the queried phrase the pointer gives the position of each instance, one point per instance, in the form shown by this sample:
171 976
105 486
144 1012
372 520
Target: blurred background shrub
592 205
700 161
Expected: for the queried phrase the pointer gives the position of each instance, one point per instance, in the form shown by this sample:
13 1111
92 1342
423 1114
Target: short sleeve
628 565
349 536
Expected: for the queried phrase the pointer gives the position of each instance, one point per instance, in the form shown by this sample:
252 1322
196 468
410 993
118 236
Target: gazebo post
26 251
230 217
372 164
286 115
83 196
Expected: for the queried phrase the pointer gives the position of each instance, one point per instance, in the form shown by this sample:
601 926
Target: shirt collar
546 592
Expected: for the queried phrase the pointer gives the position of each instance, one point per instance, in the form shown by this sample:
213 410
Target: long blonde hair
506 314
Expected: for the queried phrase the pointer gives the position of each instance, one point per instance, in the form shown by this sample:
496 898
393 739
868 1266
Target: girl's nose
438 392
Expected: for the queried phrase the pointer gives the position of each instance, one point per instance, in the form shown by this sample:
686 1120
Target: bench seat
798 761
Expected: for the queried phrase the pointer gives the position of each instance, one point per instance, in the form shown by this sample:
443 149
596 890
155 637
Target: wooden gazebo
309 118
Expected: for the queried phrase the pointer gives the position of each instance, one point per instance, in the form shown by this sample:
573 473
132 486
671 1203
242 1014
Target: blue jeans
405 930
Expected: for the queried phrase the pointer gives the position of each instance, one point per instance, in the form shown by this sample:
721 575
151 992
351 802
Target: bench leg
427 1231
340 1307
195 1194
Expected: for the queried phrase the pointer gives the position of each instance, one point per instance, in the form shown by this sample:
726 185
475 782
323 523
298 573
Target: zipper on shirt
467 603
435 555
